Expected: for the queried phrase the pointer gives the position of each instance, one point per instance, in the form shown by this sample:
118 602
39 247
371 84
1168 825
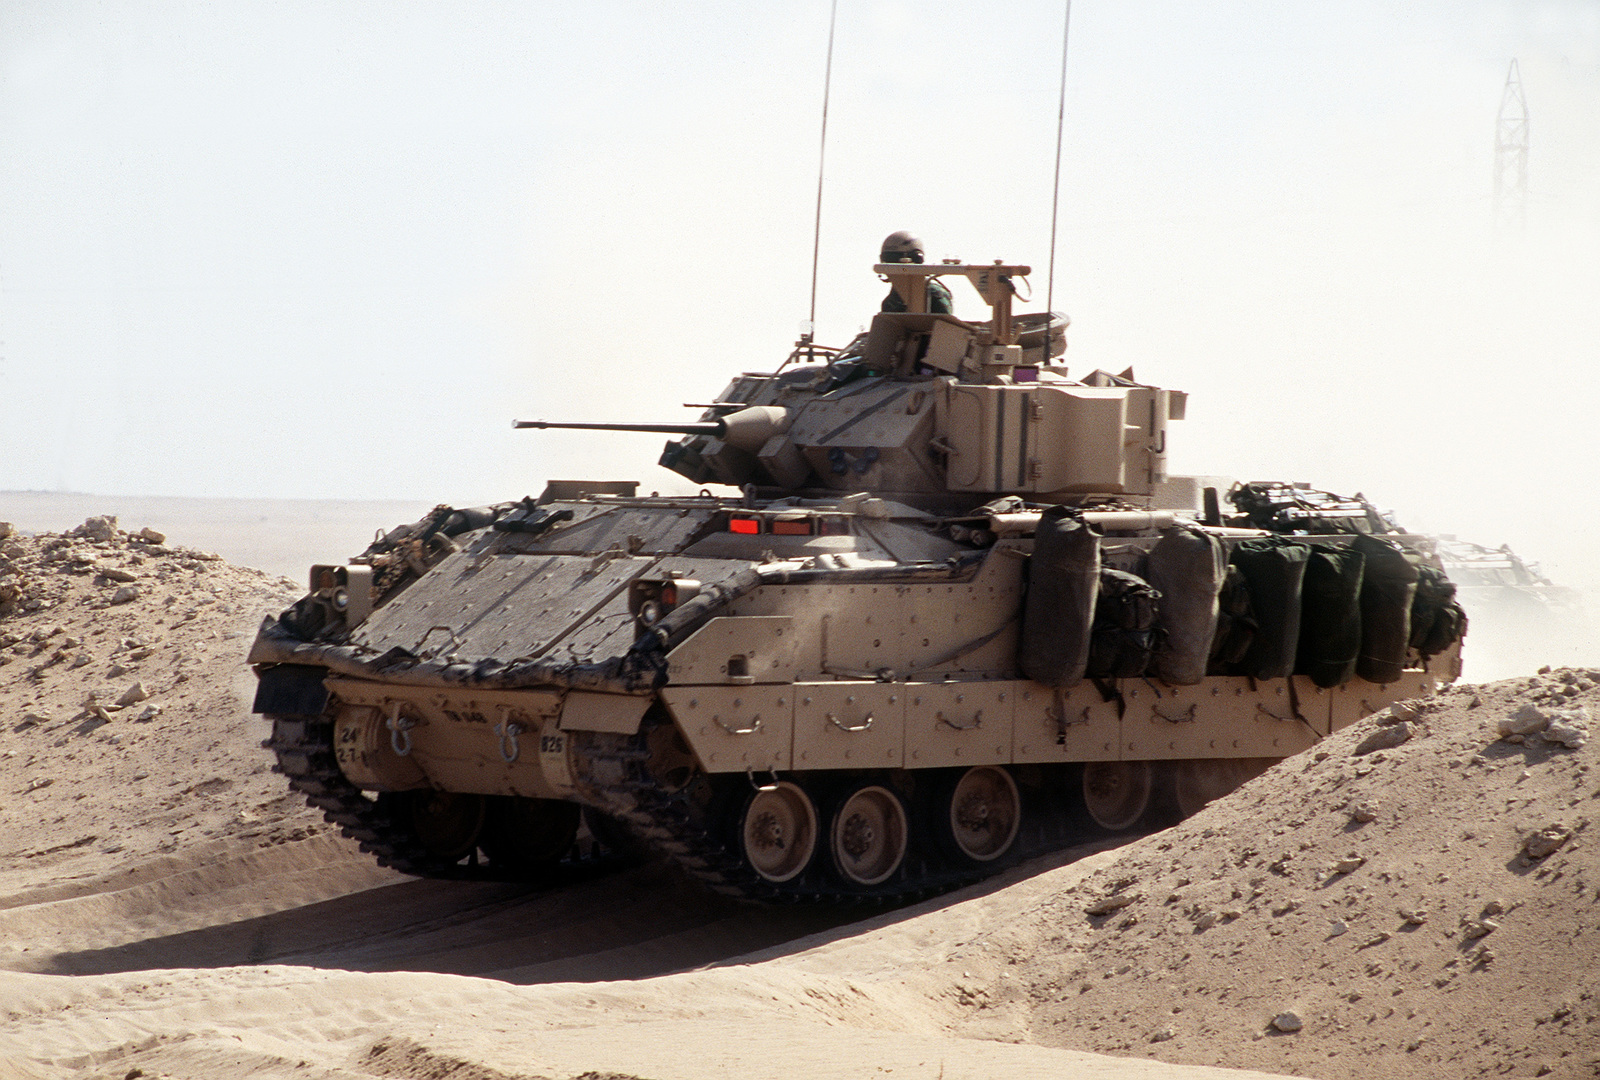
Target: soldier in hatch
902 247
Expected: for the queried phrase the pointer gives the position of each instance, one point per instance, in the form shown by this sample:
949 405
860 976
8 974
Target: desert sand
1417 896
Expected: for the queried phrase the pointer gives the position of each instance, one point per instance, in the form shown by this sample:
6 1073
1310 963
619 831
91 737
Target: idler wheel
778 835
446 823
525 835
870 835
1117 793
984 813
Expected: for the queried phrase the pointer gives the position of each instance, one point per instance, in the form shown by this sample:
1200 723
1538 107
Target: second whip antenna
1055 191
822 156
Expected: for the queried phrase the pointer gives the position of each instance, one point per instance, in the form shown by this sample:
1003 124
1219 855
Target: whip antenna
822 155
1055 193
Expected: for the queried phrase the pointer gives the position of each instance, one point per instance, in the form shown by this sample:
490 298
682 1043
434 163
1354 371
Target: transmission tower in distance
1511 155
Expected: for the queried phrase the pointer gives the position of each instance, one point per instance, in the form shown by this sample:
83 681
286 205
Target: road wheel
778 835
1117 793
870 835
983 814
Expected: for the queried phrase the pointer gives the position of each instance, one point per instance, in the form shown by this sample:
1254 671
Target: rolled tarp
1187 567
1058 612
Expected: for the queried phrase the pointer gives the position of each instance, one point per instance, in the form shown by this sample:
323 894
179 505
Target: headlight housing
346 592
651 599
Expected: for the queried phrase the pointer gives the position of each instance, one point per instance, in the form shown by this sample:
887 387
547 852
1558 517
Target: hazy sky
332 249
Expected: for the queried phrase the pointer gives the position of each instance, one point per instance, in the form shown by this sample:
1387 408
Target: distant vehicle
953 613
1492 577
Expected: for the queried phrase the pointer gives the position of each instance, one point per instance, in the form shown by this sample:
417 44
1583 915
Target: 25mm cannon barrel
714 428
747 428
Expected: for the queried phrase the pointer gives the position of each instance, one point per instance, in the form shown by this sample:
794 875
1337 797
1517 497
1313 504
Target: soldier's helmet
900 247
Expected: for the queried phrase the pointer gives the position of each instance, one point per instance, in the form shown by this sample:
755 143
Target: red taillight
744 526
669 595
791 528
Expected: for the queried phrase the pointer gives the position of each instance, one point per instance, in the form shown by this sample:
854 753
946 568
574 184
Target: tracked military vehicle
951 612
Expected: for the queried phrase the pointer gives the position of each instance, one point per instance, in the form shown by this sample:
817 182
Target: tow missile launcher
957 614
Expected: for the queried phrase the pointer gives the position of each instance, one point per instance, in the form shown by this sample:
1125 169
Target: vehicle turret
925 407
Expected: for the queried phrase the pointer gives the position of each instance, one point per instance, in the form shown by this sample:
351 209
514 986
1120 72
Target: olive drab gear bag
1388 589
1236 624
1274 569
1124 628
1437 620
1330 615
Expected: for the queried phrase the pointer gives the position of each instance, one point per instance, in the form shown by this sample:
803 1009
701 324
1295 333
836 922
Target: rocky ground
1418 896
121 729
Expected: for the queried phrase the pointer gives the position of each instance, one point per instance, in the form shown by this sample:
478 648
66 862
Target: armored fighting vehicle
1499 578
952 611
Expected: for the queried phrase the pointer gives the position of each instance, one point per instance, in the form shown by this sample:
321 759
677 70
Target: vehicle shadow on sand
638 922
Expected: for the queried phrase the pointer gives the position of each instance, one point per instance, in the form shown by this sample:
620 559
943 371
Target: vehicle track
693 822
